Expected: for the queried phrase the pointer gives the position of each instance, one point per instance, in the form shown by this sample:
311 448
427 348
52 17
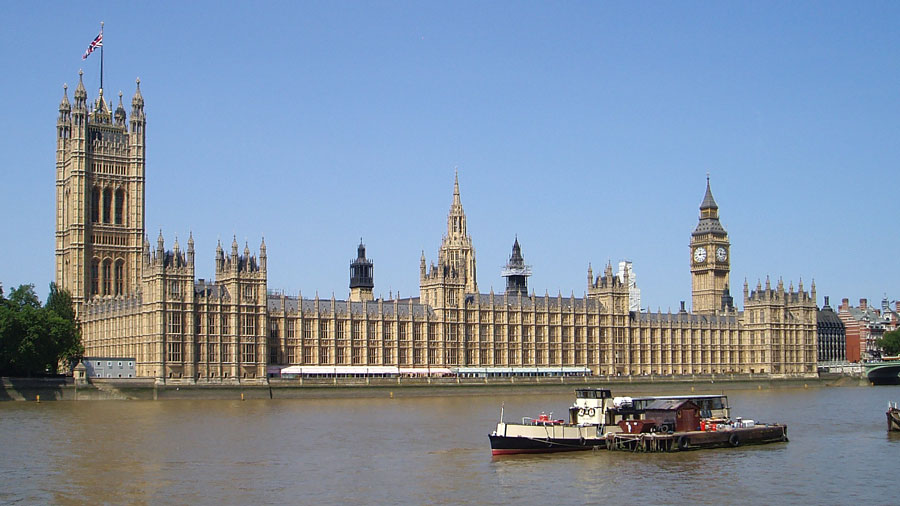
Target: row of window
112 281
108 206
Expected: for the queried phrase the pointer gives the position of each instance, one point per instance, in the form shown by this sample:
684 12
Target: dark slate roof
669 404
685 317
708 201
826 317
403 306
709 226
210 290
540 302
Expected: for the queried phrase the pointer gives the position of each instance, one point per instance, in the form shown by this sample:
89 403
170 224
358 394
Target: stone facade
179 328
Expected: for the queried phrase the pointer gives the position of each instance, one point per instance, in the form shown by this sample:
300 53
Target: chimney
682 307
845 304
863 304
826 300
897 303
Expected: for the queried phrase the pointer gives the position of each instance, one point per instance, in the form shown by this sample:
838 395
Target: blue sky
587 128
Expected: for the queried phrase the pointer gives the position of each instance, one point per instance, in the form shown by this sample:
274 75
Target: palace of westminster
144 303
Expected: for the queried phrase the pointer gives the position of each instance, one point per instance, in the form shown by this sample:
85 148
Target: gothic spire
120 112
80 92
708 201
64 103
709 215
137 102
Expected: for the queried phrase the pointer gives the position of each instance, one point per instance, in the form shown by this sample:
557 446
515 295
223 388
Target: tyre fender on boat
581 441
683 442
734 440
591 412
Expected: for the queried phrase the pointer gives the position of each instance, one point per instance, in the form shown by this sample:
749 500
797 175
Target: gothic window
107 277
120 207
95 277
120 277
213 353
174 323
248 353
174 350
95 204
248 327
107 205
289 328
292 355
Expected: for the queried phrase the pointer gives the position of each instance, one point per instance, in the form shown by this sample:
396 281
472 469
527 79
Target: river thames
429 450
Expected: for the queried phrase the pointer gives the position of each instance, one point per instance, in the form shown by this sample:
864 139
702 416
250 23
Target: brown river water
429 450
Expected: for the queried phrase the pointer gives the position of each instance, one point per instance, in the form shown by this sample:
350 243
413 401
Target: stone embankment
65 389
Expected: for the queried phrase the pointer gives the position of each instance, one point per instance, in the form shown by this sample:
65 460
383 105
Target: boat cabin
674 415
590 406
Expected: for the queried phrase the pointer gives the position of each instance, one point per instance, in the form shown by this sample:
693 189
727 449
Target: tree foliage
35 339
890 342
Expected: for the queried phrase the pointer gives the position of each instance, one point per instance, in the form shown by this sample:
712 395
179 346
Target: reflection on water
426 451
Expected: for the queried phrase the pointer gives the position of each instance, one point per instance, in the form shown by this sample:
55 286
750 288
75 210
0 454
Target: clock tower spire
710 259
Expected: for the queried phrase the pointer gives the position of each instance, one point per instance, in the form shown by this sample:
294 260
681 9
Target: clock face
721 254
700 254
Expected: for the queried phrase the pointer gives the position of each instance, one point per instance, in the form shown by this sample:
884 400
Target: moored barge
655 423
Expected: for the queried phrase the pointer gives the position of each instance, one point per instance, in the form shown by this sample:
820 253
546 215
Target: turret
516 272
262 254
220 257
160 247
362 280
190 250
65 113
120 112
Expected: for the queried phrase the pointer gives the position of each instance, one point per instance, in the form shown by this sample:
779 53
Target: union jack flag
97 42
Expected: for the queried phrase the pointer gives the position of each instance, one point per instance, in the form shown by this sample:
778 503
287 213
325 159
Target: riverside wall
65 389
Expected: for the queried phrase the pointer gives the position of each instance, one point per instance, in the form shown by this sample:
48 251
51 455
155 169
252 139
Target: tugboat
584 430
658 423
893 417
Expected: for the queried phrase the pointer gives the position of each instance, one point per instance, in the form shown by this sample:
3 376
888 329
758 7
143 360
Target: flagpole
101 57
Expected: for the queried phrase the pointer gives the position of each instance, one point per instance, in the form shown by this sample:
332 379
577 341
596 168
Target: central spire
456 219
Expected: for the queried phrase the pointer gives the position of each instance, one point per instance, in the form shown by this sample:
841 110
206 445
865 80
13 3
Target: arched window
120 207
107 277
95 277
107 205
95 204
120 277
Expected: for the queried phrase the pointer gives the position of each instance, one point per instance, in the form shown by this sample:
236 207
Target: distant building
865 325
626 276
832 335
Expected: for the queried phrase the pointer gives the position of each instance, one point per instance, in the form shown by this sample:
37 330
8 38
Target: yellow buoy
39 398
392 395
242 395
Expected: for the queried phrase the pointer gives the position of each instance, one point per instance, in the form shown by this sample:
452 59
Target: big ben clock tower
710 259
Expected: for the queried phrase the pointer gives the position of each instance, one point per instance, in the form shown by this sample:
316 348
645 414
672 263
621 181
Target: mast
101 56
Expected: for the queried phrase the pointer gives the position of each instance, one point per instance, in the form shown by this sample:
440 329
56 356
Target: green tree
890 342
34 339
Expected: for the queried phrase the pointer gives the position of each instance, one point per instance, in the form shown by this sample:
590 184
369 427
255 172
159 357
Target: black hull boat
508 445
